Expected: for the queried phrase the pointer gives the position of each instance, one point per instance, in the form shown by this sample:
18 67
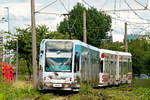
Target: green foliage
1 48
117 46
19 90
98 24
123 92
85 89
16 91
142 83
140 56
142 93
47 96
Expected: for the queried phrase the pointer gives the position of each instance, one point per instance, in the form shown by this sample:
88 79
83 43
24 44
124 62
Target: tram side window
107 64
125 67
129 66
114 67
76 62
101 66
111 67
120 68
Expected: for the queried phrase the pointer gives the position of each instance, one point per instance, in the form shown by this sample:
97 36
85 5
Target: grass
142 83
16 91
22 89
123 92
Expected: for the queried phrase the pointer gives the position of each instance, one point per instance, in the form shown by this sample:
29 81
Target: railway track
59 95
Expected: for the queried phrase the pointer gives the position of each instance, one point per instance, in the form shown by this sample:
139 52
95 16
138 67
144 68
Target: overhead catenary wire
140 4
132 29
58 14
133 23
134 11
145 28
120 17
71 27
64 6
87 4
119 3
145 7
68 24
123 10
104 4
123 20
45 6
147 3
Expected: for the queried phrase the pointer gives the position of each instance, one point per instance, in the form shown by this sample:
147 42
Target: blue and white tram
65 63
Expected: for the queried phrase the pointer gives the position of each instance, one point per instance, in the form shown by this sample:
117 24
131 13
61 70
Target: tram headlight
67 85
46 78
68 79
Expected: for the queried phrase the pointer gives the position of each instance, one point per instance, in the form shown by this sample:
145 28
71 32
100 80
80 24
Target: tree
98 24
1 53
116 46
140 56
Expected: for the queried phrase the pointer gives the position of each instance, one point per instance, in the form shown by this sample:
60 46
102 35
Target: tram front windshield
58 56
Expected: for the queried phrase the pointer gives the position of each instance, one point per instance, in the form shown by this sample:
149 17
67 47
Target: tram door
77 63
113 71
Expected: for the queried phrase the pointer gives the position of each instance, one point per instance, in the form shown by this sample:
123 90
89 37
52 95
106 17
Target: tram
115 67
64 64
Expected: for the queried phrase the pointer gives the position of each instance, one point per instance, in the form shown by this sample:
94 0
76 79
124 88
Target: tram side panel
77 66
115 68
89 66
129 69
94 67
104 70
125 68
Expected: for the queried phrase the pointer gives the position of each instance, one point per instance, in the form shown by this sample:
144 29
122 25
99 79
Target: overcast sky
20 14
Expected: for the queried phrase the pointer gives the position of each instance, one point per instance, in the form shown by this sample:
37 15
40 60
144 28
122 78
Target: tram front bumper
58 86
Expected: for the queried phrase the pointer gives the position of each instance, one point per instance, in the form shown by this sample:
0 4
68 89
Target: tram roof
115 52
124 53
74 41
60 40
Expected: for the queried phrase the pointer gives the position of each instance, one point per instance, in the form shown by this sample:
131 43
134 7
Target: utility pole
125 38
84 27
33 45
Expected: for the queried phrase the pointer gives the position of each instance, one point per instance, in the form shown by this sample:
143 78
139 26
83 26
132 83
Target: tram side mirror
42 51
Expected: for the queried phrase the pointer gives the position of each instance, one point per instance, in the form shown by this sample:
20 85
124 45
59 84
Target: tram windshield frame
58 56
